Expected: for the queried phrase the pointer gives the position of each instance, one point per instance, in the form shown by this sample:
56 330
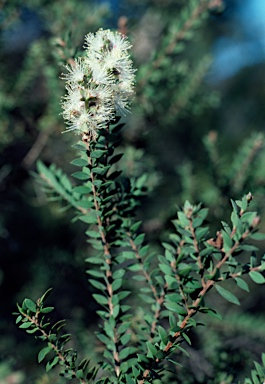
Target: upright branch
158 290
99 88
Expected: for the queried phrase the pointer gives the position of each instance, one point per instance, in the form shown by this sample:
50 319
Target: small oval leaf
227 295
257 277
43 353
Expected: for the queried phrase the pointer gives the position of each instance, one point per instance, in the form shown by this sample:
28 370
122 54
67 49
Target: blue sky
246 46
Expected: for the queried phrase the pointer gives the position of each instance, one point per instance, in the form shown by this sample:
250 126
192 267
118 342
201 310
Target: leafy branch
32 318
215 262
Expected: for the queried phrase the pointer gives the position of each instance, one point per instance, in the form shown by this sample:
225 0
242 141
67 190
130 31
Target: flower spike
99 85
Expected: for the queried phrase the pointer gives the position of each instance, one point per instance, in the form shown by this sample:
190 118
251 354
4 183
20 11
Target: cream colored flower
99 85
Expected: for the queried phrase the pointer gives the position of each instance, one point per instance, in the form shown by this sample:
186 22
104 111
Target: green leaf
58 325
259 369
129 380
116 310
255 377
184 221
172 321
119 273
47 309
173 297
184 269
100 299
25 325
50 364
80 374
242 284
174 362
169 247
186 337
227 295
18 319
166 269
147 299
43 353
82 190
30 305
143 251
141 181
97 284
151 349
97 154
135 267
81 175
116 284
257 236
125 338
244 204
83 364
228 242
79 162
257 277
94 260
163 334
125 352
86 204
108 328
45 295
93 234
248 217
97 183
100 171
248 247
175 307
139 239
135 226
172 282
200 233
80 146
95 273
90 218
124 327
128 255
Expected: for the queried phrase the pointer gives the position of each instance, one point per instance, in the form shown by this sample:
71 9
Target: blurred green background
196 129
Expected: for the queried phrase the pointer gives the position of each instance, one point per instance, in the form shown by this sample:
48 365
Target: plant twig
34 320
194 307
108 259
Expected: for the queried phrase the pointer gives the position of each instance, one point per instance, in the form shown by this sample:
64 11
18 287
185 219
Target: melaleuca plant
141 344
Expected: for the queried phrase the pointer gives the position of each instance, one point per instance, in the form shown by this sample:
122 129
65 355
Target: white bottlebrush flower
99 72
99 85
77 71
73 101
118 41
